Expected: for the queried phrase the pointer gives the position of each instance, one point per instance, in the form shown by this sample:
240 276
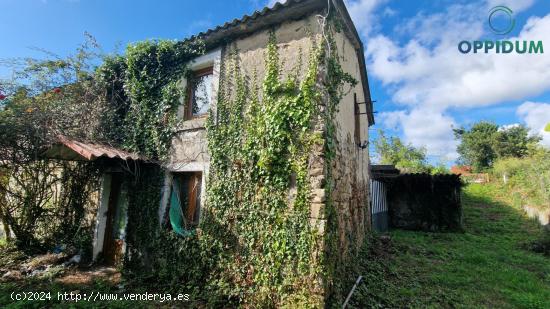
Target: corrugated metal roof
68 149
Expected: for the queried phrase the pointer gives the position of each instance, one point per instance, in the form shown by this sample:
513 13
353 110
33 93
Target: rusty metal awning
73 150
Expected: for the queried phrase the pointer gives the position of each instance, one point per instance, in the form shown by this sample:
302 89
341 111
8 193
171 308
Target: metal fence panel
379 206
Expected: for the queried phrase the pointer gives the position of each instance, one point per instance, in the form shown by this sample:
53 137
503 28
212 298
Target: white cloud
389 12
362 14
258 5
271 3
507 127
515 5
536 116
424 128
442 76
427 74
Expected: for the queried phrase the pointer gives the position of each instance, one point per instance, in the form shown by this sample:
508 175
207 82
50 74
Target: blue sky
422 84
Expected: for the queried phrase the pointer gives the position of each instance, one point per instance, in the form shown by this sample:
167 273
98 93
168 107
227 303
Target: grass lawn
489 265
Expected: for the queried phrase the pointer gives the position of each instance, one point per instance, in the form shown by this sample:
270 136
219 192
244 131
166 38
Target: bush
529 176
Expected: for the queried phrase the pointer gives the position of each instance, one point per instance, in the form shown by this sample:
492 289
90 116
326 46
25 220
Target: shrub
529 176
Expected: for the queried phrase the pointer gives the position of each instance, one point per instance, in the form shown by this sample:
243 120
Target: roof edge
351 31
281 12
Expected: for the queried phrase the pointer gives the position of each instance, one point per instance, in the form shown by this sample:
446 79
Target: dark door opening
112 244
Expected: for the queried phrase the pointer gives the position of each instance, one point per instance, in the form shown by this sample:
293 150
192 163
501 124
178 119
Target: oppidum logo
501 21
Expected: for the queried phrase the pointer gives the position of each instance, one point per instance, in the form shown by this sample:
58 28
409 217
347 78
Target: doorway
115 223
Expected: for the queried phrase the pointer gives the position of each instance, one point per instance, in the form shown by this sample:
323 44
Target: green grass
489 265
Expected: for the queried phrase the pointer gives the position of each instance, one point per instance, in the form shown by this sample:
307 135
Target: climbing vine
143 89
256 243
259 151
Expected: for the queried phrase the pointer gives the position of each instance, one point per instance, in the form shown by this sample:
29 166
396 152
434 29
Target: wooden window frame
190 95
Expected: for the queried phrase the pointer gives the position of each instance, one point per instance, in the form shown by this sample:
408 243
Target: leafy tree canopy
405 157
484 142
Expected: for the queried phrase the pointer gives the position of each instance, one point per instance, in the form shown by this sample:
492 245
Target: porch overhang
73 150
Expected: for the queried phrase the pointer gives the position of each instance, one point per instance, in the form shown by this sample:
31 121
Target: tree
484 142
547 128
514 142
404 156
476 145
44 99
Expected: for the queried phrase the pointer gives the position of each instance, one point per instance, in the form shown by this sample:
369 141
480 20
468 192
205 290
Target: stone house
341 182
296 27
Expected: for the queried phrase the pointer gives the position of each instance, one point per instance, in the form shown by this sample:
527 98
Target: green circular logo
495 13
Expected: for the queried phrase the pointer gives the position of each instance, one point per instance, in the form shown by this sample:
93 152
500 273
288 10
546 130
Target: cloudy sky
423 85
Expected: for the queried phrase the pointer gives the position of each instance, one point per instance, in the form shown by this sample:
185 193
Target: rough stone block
318 196
317 210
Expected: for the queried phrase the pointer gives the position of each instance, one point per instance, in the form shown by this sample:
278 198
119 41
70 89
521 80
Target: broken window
200 93
185 201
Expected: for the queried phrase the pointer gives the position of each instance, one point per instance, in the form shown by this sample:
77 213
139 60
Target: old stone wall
349 167
349 192
295 40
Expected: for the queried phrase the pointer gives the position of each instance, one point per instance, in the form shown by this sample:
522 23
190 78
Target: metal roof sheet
68 149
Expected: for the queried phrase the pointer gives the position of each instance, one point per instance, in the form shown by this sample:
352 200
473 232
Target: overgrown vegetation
489 265
256 150
45 202
255 245
142 90
528 178
129 101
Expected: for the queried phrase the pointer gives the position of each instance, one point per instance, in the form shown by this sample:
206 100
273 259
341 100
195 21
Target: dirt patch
382 247
57 267
45 259
88 277
541 245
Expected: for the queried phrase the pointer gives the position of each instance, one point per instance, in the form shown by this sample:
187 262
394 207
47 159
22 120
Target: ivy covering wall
259 151
142 89
256 244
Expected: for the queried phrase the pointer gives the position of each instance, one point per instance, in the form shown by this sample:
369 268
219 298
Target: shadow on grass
489 265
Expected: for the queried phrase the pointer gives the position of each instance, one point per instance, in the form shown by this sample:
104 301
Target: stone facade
348 193
350 178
